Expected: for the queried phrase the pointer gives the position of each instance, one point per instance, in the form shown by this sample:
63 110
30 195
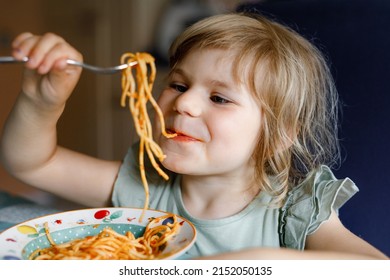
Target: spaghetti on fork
137 94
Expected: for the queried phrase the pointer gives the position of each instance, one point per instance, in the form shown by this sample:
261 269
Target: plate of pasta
116 233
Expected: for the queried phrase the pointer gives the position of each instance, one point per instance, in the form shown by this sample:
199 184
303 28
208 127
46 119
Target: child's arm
28 146
331 241
332 236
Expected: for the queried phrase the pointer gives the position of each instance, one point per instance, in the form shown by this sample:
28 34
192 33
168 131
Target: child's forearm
290 254
29 137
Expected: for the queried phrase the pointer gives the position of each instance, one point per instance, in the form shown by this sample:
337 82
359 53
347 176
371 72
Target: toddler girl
254 110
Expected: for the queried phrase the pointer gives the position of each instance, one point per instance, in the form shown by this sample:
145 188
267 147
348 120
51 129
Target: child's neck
214 197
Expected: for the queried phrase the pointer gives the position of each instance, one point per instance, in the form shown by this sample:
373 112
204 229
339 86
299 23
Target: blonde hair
290 80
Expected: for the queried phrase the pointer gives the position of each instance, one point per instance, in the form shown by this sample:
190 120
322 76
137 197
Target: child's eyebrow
221 84
178 71
218 83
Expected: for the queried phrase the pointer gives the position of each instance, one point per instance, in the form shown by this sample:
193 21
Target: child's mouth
182 137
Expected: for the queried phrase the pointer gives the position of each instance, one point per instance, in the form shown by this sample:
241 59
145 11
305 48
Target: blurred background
353 34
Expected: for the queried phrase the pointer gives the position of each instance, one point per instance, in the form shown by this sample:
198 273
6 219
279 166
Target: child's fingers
40 50
37 48
56 57
44 52
20 38
22 44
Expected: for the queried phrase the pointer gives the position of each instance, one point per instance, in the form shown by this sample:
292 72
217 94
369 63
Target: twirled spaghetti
137 92
110 245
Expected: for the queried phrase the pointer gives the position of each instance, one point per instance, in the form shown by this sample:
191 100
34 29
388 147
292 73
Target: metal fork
96 69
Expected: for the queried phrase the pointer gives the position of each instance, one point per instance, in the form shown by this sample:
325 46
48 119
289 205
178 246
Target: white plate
19 241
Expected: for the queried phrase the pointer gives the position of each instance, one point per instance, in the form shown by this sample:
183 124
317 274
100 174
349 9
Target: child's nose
189 103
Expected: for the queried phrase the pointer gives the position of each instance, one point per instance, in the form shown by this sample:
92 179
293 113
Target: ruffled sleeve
310 204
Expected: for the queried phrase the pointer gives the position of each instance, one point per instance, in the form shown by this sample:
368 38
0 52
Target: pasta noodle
110 245
137 92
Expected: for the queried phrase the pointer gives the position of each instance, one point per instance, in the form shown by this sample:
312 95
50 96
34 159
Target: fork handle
11 59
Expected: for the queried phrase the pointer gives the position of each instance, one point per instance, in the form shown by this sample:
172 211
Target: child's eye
218 99
178 87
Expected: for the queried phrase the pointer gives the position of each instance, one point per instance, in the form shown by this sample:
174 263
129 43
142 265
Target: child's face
217 120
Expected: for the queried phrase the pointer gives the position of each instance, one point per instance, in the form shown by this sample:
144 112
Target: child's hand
48 80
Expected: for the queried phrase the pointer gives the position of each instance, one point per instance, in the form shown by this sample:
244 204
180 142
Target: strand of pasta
137 92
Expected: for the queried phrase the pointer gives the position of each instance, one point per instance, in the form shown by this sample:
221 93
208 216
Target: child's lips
182 136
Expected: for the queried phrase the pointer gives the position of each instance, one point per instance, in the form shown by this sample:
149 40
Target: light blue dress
307 206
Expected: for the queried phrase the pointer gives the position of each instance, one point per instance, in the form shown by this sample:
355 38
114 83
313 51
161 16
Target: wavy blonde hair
290 79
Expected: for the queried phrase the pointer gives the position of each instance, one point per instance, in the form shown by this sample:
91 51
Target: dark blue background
355 35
